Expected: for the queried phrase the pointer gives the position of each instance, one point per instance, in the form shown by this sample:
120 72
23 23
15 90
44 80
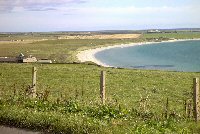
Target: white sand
89 55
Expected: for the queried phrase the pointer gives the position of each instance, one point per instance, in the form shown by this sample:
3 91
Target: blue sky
89 15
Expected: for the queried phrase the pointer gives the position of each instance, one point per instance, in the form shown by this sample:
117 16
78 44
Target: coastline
89 55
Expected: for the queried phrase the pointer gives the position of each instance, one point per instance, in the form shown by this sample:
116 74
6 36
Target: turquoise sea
172 56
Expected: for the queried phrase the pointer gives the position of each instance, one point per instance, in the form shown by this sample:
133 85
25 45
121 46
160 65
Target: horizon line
198 28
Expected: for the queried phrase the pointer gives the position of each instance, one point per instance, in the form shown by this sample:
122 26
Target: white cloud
128 10
124 12
9 5
69 15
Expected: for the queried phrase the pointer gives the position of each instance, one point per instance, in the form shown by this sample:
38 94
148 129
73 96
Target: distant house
30 60
153 31
22 59
18 59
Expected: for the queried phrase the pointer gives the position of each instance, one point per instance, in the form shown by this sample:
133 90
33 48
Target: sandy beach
89 55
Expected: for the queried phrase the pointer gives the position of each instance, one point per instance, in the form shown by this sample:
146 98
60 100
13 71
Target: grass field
65 50
178 35
135 98
68 94
61 51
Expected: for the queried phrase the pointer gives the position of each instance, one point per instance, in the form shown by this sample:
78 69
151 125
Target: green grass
29 36
65 50
179 35
74 98
67 79
61 51
135 99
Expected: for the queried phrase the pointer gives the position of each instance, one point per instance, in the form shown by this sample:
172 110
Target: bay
171 56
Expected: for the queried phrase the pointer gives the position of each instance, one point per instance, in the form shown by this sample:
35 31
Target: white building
30 59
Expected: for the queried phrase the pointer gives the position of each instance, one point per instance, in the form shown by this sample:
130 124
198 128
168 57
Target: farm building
153 31
44 61
30 59
17 59
22 59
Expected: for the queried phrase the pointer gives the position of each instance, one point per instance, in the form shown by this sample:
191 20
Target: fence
190 106
196 99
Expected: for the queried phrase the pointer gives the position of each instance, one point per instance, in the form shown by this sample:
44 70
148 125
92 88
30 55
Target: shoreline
89 54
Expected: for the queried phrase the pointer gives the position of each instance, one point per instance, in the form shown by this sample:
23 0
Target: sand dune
102 36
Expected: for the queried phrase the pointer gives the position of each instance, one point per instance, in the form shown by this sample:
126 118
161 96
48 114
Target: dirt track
9 130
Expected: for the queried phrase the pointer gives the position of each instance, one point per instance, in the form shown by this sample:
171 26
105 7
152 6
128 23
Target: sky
92 15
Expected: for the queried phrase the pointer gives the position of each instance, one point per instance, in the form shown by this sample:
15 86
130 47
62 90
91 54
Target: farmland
58 50
65 50
132 96
68 94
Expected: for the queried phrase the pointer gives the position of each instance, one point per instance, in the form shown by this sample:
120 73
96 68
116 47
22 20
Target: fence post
102 87
34 71
167 109
196 98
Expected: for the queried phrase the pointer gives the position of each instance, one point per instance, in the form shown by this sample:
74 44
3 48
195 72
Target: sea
181 56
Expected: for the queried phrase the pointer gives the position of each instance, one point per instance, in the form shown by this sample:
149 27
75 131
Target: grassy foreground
69 99
68 94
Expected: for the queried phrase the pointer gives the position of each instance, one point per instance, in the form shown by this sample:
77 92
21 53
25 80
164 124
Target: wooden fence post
196 98
102 87
34 71
167 109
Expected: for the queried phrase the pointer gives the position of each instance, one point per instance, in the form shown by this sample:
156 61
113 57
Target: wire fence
109 88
